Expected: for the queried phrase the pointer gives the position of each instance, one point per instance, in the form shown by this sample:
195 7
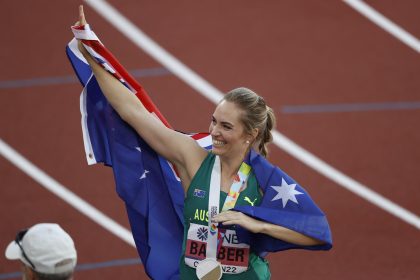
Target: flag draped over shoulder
150 188
284 203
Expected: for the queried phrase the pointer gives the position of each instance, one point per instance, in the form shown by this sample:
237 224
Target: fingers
230 222
227 216
82 19
226 220
238 218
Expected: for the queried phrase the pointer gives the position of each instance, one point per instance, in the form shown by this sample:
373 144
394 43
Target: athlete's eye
227 127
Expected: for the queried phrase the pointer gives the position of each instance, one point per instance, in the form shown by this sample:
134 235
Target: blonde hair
256 114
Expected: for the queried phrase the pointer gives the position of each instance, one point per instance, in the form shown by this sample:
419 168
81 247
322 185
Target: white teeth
218 143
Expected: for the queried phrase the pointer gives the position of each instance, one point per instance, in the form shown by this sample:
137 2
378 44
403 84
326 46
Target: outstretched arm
178 148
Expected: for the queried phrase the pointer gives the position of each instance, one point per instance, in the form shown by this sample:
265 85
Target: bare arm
257 226
178 148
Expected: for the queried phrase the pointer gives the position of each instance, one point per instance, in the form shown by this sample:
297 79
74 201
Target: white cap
48 247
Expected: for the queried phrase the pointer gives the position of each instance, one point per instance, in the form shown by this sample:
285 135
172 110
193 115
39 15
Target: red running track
292 53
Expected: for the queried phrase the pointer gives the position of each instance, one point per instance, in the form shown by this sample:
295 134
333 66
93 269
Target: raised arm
176 147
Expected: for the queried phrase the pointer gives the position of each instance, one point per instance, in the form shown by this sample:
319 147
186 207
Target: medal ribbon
214 199
237 186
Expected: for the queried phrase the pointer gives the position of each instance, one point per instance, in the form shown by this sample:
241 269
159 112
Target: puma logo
249 200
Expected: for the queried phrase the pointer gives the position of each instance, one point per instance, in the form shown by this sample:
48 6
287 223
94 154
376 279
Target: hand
81 21
239 218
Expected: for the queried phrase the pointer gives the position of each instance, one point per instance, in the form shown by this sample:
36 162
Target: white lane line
385 23
139 38
65 194
345 181
145 43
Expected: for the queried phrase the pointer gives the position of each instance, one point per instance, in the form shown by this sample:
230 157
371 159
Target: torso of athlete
237 259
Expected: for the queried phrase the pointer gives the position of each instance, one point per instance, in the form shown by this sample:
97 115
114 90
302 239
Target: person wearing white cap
46 252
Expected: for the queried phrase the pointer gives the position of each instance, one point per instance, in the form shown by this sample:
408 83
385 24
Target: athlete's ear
254 134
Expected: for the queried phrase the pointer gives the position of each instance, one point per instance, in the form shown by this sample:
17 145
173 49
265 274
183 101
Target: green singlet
233 255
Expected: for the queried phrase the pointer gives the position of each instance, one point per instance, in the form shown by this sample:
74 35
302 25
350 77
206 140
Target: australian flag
146 182
149 186
284 203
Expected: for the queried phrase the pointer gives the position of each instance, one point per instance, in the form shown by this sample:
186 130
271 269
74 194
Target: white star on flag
144 174
286 192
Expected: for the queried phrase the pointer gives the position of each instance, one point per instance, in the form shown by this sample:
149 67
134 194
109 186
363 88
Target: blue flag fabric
152 192
285 203
146 183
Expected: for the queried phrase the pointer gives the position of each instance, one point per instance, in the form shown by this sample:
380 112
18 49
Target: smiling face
227 131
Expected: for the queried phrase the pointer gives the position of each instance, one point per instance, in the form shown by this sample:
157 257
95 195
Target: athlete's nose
213 130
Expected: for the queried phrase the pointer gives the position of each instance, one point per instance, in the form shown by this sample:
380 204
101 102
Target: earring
247 141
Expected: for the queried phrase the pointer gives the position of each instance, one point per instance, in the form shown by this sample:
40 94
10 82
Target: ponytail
266 136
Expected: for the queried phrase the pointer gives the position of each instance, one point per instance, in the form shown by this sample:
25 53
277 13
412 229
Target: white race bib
233 256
